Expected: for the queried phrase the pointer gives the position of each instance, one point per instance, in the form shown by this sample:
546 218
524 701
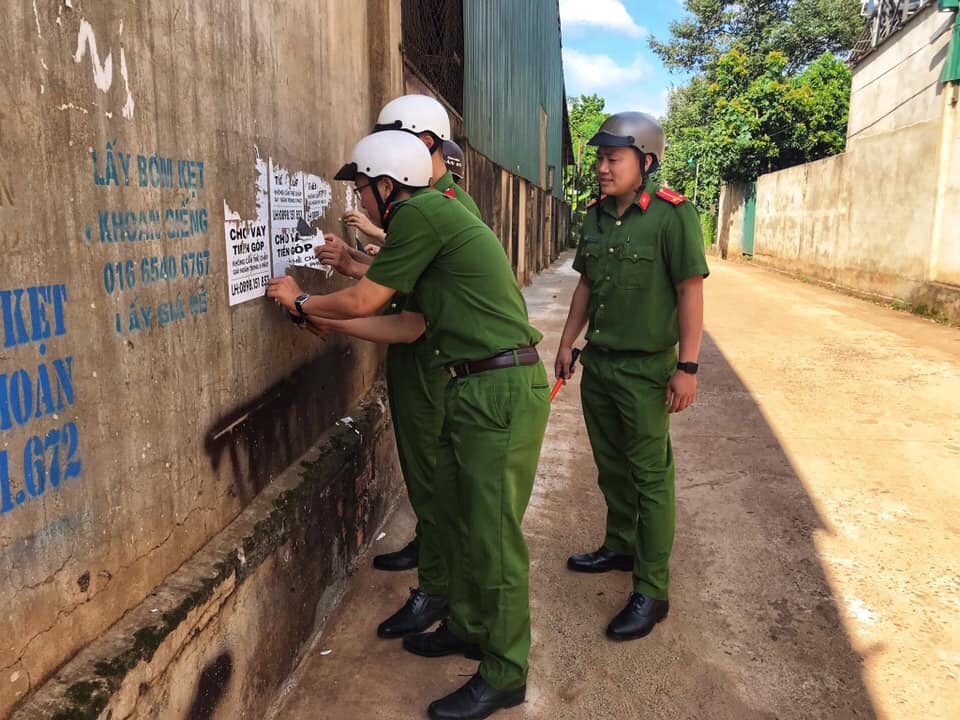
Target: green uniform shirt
459 278
633 264
446 183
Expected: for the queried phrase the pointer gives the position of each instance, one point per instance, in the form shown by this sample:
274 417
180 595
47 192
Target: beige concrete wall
863 219
140 411
898 85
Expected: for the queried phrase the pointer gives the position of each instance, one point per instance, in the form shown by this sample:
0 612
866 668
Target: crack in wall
25 649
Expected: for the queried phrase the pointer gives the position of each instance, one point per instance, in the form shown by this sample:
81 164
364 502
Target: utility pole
696 178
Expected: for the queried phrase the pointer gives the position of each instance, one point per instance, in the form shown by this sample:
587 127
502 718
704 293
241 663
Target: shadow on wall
211 688
259 439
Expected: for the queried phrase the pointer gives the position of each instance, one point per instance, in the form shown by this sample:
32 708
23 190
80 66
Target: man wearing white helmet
496 404
415 389
426 118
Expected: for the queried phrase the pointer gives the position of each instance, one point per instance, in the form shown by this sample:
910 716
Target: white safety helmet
416 114
394 153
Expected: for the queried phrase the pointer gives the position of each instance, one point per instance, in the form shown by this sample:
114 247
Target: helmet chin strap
384 203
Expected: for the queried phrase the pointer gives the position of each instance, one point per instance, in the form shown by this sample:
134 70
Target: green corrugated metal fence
512 69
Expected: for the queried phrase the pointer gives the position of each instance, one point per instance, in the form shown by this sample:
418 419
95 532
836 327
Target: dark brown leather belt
510 358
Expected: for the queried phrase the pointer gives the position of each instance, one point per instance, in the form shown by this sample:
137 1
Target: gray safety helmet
632 129
453 158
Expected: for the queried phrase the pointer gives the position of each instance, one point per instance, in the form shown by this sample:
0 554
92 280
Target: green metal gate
749 218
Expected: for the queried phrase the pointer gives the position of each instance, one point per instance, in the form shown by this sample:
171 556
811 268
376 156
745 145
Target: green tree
769 89
586 115
802 29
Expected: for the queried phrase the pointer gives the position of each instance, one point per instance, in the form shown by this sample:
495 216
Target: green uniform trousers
623 396
489 451
415 391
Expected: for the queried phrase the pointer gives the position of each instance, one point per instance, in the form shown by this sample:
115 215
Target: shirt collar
641 200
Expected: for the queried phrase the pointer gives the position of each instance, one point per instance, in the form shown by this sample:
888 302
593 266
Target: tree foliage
586 115
768 90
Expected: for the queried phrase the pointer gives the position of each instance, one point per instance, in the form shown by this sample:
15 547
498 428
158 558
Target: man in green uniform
414 387
496 404
642 266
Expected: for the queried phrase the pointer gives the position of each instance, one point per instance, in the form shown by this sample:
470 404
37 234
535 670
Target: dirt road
816 571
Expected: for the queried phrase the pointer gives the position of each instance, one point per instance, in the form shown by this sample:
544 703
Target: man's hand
371 249
562 366
284 290
358 220
681 391
335 253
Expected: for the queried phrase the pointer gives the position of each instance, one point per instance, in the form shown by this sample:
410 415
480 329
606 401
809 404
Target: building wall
141 412
532 224
898 85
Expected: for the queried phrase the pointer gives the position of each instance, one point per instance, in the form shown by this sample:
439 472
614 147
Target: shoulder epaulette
595 201
671 196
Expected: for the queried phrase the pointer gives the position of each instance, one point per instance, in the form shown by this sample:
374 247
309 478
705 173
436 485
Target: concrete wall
899 84
141 412
882 218
837 219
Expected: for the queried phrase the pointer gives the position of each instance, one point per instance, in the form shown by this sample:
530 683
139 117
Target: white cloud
654 103
605 14
587 73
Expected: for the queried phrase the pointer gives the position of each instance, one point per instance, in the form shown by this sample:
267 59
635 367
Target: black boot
638 618
418 613
600 561
439 643
475 700
404 559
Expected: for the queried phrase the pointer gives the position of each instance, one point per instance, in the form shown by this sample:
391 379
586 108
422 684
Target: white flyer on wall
286 209
248 246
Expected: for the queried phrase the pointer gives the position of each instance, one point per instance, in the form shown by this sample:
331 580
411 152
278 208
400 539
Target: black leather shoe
439 643
417 614
475 700
404 559
638 618
601 561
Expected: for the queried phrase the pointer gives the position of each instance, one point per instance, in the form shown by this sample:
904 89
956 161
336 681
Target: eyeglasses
357 189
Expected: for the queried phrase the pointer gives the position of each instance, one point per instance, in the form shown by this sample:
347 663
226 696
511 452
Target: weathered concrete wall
899 84
863 219
221 634
140 411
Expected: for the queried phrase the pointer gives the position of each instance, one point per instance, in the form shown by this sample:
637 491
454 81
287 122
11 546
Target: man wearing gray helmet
642 266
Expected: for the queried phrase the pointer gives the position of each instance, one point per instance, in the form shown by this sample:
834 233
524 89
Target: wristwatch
301 299
688 367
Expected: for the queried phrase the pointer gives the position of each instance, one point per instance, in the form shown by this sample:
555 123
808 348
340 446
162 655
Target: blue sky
605 51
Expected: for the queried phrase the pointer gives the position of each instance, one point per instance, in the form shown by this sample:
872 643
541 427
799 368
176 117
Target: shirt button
610 250
608 277
393 306
601 306
436 352
619 222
